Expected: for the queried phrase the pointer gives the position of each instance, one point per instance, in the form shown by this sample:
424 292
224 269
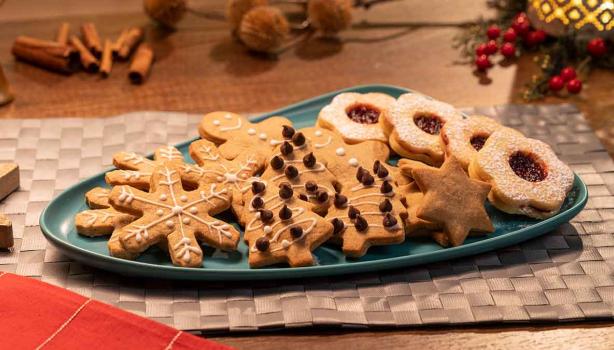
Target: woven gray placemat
564 275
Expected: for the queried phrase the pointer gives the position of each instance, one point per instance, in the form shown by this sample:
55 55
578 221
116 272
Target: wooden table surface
200 68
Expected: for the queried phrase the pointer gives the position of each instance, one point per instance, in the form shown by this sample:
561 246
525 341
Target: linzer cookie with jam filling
356 117
526 176
295 162
463 138
281 228
175 216
343 159
413 124
368 212
234 134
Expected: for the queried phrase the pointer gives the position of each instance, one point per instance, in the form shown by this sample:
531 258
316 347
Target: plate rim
137 268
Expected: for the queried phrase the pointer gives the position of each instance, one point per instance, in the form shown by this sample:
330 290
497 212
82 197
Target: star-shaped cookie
453 200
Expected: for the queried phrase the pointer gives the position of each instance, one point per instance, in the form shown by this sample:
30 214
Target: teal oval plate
57 224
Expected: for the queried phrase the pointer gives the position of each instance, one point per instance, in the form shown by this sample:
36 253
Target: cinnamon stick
107 59
88 61
6 95
132 38
141 64
45 53
91 39
119 42
63 31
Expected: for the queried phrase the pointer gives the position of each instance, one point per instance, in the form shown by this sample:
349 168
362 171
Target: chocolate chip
403 215
296 232
389 220
376 166
309 160
257 187
382 172
287 131
311 186
353 212
340 200
257 202
291 171
338 225
277 163
367 179
322 196
298 139
286 148
262 244
361 223
385 206
360 172
266 215
285 213
303 197
285 190
386 187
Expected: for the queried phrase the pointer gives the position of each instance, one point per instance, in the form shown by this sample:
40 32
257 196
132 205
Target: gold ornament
556 17
236 9
166 12
330 16
264 29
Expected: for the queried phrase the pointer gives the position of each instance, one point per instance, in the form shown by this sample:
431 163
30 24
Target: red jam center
363 114
526 166
478 141
429 123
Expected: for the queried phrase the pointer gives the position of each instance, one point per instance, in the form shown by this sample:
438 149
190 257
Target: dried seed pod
166 12
264 29
330 16
236 9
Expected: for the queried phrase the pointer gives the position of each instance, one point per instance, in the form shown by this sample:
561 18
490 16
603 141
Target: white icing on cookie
251 131
353 162
340 151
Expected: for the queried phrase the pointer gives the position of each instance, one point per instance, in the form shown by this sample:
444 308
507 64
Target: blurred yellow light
579 13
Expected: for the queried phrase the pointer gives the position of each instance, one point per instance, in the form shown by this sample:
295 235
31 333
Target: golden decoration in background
166 12
556 17
264 29
329 16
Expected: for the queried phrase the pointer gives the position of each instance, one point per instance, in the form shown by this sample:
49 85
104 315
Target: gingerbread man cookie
234 134
464 138
414 122
356 117
172 214
281 227
295 162
367 212
343 159
527 177
102 220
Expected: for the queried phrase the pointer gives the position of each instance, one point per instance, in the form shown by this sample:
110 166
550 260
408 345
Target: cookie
368 212
407 166
171 214
102 220
135 170
453 200
234 134
356 117
281 228
294 161
464 138
343 159
235 175
413 125
526 176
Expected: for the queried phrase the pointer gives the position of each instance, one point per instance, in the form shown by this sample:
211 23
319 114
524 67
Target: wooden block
6 232
9 178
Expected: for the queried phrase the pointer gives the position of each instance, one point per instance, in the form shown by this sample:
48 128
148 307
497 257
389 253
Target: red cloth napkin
37 315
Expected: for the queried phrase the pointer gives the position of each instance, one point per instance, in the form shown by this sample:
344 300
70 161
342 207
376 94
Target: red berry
556 83
493 32
491 47
540 35
535 37
521 28
508 50
596 47
568 73
574 86
480 50
482 62
509 35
